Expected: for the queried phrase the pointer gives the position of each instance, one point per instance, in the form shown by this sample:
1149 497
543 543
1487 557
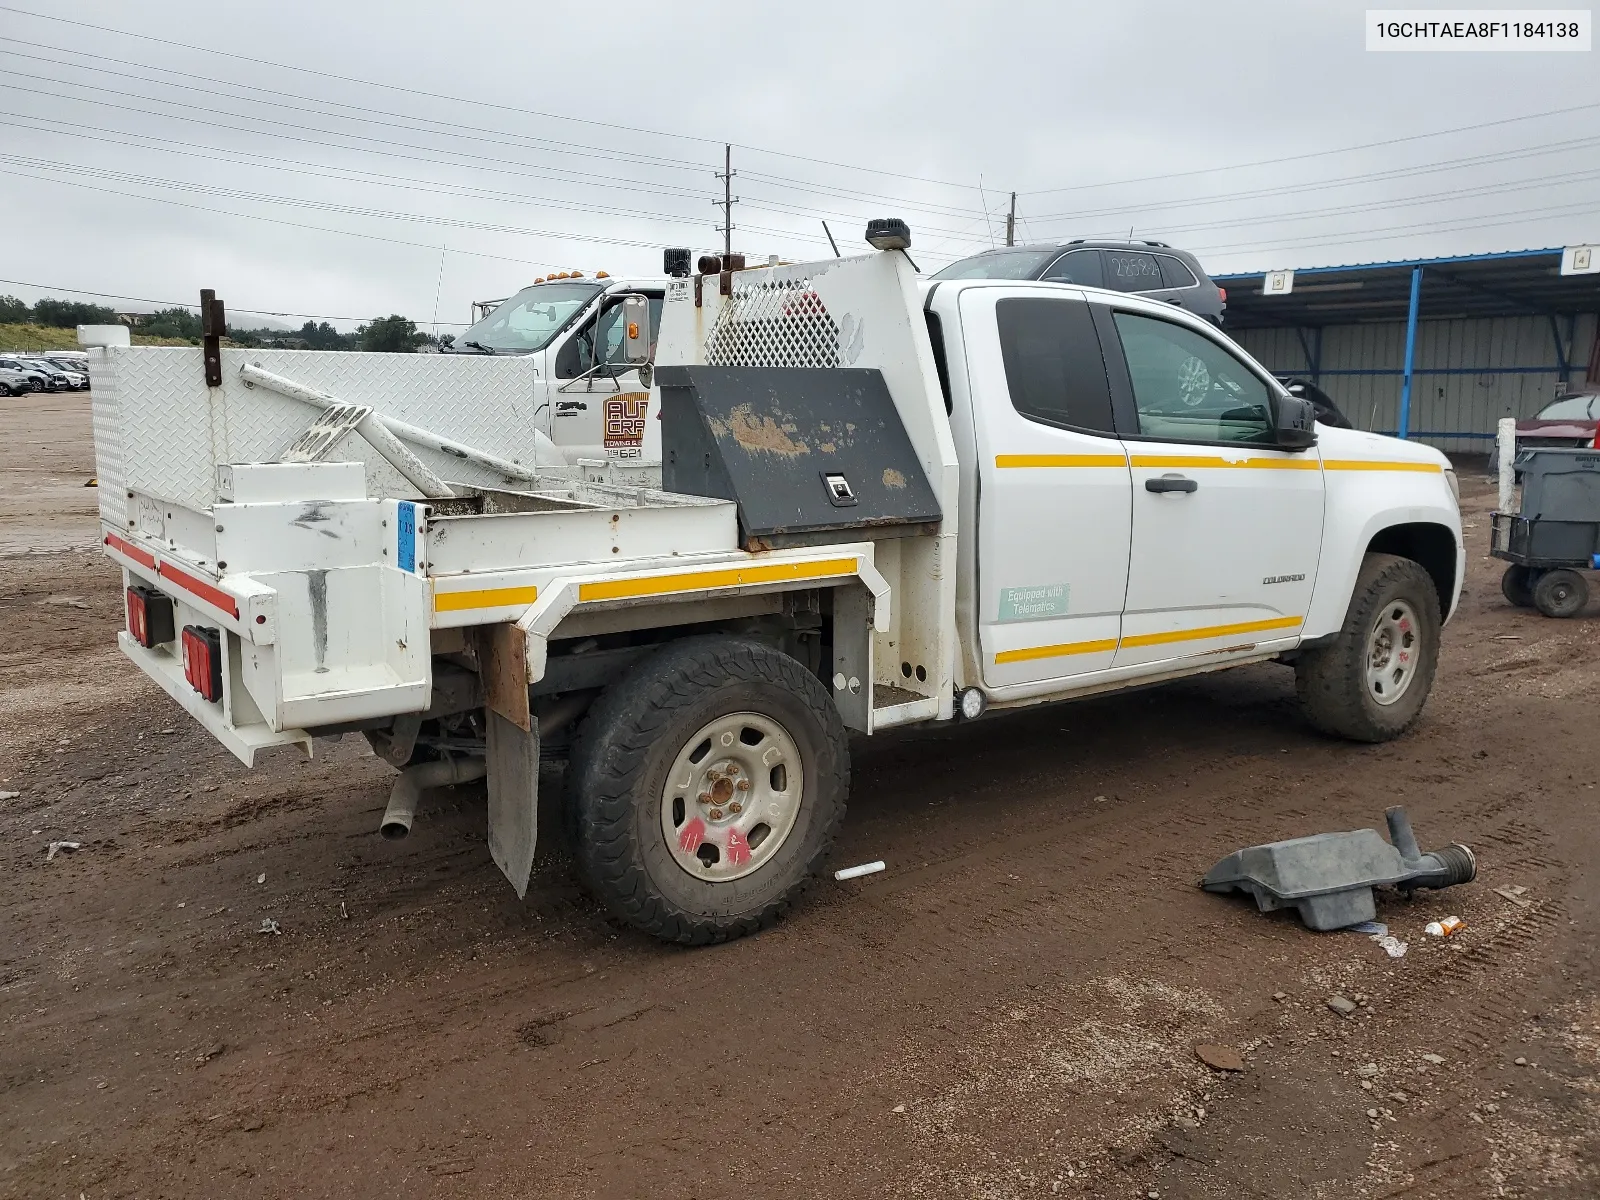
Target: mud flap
513 798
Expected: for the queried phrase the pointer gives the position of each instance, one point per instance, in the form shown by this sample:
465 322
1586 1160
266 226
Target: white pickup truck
884 501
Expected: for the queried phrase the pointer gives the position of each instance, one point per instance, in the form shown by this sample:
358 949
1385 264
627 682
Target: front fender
1349 535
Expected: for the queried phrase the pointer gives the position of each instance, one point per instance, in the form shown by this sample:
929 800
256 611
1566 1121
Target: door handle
1170 483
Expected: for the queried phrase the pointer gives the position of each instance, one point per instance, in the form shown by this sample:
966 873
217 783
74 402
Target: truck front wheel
1369 684
707 786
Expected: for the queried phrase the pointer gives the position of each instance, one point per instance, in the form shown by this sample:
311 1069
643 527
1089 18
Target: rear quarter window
1132 271
1054 370
1078 266
1174 274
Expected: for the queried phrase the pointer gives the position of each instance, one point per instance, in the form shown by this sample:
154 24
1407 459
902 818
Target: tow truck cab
589 400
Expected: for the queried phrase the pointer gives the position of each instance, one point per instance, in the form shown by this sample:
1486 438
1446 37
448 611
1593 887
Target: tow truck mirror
1297 422
635 330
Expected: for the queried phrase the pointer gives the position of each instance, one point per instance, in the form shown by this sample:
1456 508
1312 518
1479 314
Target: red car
1569 421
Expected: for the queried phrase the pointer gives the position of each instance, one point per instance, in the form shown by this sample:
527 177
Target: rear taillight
1222 294
149 616
202 661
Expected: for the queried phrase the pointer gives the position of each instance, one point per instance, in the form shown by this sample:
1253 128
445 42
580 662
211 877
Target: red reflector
149 616
202 661
1222 294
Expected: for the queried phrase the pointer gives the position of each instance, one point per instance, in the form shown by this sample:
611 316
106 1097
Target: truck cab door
1054 489
1227 527
599 404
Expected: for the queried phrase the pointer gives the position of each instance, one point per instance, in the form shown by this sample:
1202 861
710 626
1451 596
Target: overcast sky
500 141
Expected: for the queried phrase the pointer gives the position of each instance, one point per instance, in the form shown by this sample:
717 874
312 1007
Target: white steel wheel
656 774
1392 652
732 796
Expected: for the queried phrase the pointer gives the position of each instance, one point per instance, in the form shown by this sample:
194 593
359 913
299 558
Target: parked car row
36 373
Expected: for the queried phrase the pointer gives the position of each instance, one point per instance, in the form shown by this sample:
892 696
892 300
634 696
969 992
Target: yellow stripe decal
1361 464
1170 461
1148 639
1062 651
1212 631
484 598
694 581
1059 460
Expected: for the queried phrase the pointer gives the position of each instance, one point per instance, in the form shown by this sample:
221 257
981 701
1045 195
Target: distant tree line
394 333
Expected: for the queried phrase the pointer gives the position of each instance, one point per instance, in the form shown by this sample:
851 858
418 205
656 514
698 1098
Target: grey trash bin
1560 484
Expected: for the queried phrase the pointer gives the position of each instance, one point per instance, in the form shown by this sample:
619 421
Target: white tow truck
591 402
885 501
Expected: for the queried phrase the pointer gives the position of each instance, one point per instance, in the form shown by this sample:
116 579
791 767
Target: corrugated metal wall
1455 411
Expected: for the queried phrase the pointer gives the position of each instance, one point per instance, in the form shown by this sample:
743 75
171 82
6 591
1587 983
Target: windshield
528 320
1571 408
998 264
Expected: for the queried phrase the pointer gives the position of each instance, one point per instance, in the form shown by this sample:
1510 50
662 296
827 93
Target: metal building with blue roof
1436 349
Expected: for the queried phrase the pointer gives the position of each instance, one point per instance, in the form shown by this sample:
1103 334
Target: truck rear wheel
707 786
1369 684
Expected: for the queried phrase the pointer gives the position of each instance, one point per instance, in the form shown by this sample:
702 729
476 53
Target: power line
1269 162
1444 165
532 171
665 190
79 185
232 308
209 189
403 182
1385 205
213 52
453 129
210 51
1390 232
551 148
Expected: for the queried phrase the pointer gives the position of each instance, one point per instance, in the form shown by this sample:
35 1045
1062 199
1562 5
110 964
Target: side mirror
1297 422
635 330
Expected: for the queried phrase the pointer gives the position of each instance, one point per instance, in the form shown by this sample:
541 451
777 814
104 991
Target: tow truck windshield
529 320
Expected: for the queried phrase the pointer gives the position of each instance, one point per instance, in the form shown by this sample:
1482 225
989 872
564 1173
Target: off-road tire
1560 593
629 740
1331 679
1516 585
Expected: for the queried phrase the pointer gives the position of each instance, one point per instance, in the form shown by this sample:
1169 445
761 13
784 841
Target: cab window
578 355
1187 388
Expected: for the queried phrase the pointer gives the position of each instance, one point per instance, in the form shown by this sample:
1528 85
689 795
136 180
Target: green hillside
16 338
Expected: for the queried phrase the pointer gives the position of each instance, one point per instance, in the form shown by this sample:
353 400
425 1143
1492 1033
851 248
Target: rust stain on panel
762 433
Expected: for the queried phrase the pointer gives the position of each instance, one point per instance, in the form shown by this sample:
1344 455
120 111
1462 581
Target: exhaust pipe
417 779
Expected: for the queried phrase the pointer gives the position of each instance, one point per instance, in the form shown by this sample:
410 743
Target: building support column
1411 351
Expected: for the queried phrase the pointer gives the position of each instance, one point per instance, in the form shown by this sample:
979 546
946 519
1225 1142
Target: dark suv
1152 269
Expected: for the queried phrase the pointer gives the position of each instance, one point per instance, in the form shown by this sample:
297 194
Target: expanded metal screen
775 323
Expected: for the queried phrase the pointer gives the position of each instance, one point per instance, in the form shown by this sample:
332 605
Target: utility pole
728 200
1011 222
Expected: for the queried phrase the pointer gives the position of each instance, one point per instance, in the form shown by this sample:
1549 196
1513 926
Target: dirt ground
1011 1009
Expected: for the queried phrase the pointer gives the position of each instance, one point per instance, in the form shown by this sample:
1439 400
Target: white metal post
1506 445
